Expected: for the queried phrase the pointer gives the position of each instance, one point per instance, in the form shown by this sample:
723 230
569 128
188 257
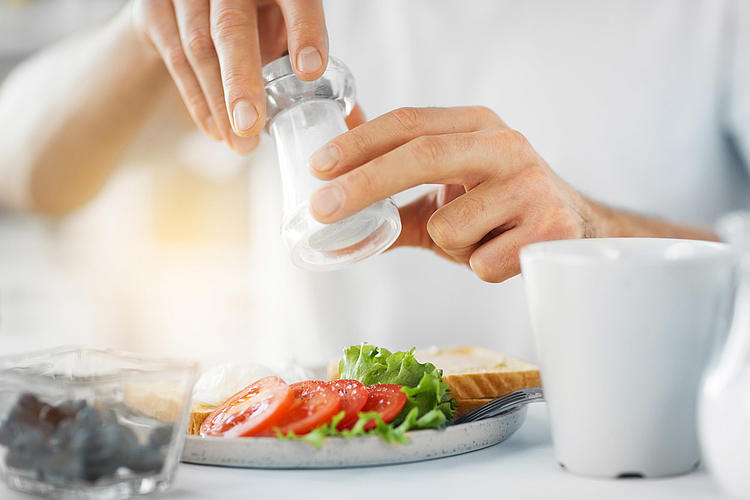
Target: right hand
215 49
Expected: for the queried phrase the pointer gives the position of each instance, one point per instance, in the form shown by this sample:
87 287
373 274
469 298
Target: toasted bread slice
467 405
198 414
477 373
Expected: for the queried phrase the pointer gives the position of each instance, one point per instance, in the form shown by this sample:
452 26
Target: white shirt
642 105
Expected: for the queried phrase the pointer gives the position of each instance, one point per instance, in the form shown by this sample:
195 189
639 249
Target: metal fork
508 402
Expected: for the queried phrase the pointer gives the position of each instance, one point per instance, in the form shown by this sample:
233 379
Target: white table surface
522 467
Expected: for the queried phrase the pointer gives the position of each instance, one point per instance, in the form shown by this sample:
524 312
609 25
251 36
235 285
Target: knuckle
536 176
469 208
496 269
441 230
230 23
355 140
560 223
486 115
198 45
196 103
234 80
411 120
361 181
510 139
303 27
427 149
174 57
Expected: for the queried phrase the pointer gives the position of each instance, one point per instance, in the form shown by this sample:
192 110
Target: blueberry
127 446
89 416
92 471
103 444
84 439
146 459
27 449
160 436
61 467
63 435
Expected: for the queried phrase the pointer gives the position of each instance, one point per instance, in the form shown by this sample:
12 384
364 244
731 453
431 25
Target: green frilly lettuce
429 403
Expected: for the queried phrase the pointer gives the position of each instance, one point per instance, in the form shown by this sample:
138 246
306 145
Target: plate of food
376 407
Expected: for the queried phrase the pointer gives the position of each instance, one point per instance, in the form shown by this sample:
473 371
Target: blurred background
160 261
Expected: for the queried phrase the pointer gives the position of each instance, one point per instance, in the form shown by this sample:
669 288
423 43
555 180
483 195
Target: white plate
272 453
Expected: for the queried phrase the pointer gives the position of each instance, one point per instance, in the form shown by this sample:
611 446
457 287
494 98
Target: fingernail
211 129
325 158
309 60
245 115
327 200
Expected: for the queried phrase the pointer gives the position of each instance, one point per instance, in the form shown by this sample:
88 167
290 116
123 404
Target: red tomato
315 403
250 411
386 399
353 396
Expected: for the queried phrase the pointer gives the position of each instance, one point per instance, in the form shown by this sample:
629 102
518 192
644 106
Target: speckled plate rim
272 453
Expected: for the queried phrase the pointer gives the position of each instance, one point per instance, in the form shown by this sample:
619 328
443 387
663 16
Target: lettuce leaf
422 382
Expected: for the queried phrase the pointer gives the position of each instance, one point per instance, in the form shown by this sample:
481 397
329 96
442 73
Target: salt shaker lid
284 89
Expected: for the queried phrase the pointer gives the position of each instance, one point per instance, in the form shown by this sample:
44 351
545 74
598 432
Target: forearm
69 112
614 223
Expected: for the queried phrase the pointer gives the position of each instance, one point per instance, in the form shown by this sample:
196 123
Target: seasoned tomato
315 403
251 411
386 399
353 397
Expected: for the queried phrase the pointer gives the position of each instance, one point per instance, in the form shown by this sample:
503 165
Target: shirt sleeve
738 96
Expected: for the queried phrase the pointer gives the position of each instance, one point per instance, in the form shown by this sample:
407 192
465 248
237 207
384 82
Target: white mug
623 328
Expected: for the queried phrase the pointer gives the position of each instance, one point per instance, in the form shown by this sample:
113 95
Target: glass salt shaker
303 117
724 403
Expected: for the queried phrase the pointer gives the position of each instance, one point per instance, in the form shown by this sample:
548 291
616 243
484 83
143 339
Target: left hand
498 194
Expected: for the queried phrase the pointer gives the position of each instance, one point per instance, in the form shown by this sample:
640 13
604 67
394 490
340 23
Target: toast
198 413
477 373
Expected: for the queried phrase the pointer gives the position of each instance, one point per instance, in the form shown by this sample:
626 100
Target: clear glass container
303 117
724 408
80 423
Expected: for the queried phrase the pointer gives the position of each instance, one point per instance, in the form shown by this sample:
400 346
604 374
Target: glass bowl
78 423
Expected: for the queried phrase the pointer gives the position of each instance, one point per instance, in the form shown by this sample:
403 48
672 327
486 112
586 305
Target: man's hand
498 195
215 49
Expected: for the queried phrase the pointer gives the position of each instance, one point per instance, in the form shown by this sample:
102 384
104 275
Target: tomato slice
386 399
315 403
353 395
250 411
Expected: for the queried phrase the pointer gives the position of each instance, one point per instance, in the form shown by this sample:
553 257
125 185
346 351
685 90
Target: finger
415 215
195 33
356 117
497 259
166 39
234 32
307 37
460 226
441 159
393 129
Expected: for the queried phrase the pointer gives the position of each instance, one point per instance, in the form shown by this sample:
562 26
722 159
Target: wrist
600 221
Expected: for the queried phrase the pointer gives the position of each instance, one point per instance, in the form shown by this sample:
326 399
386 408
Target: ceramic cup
623 328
